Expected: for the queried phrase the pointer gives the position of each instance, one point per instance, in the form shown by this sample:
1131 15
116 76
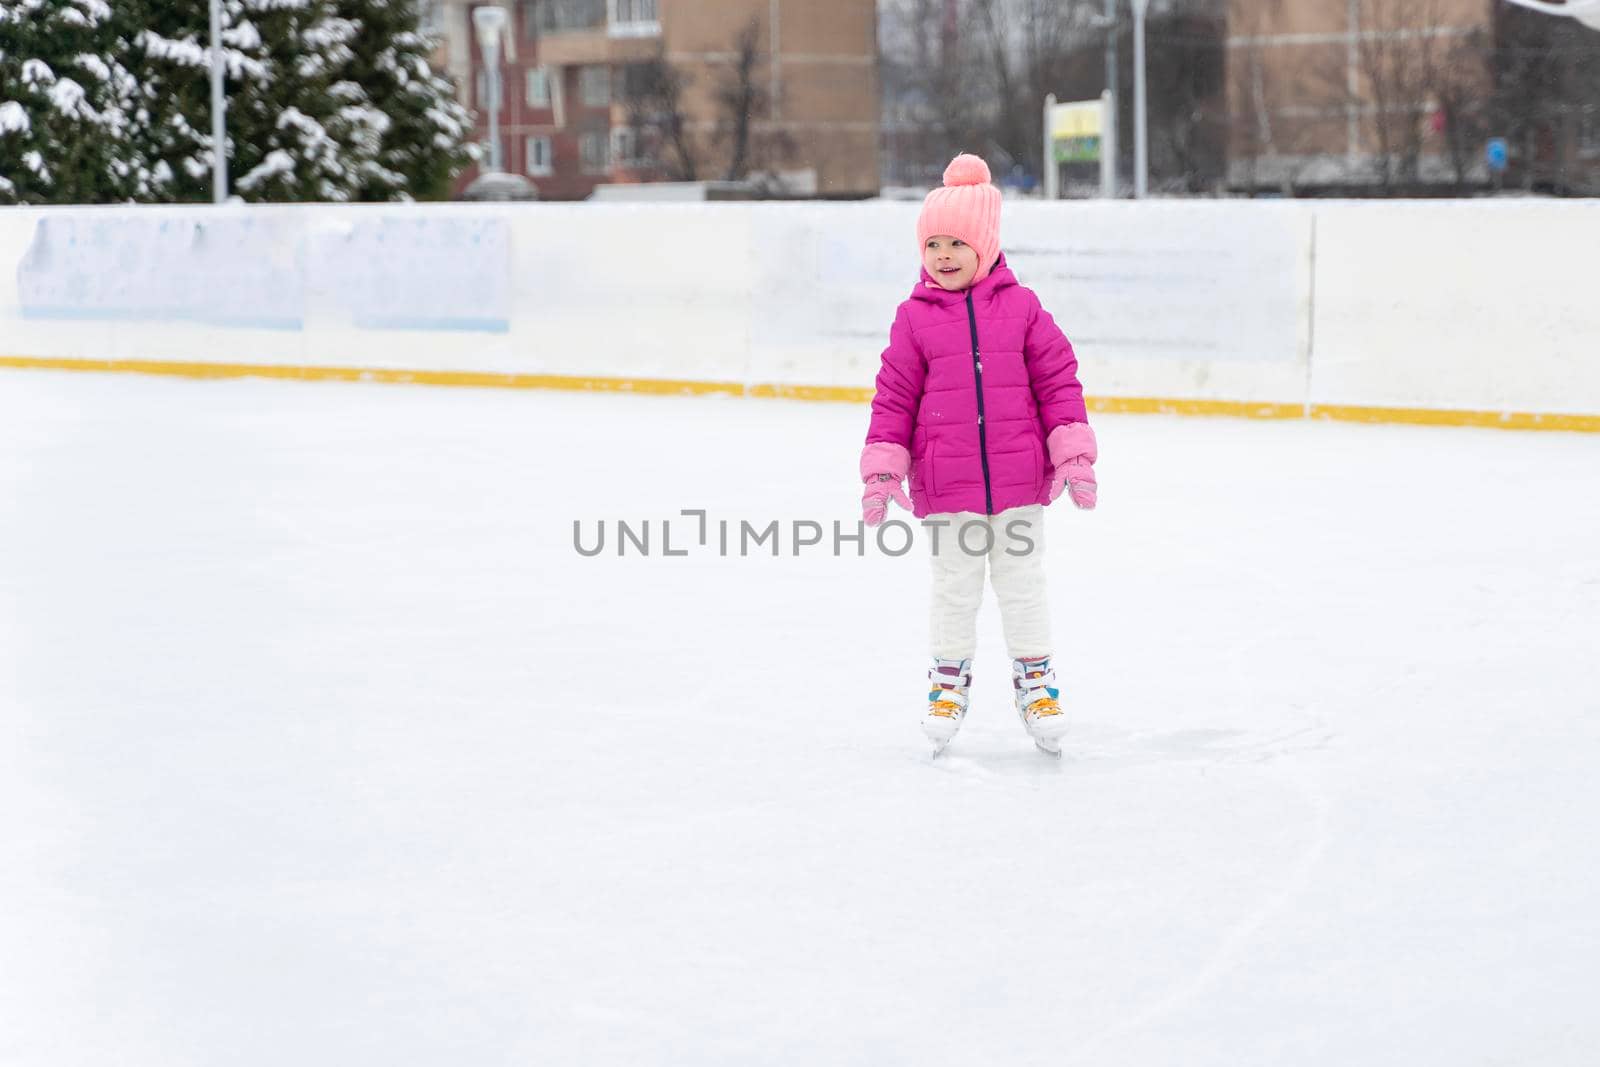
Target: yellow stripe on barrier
477 379
1244 409
835 394
1508 420
1496 420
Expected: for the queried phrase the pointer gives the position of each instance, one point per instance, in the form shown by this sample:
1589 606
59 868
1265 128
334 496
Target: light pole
494 183
490 21
1109 22
219 129
1111 97
1141 130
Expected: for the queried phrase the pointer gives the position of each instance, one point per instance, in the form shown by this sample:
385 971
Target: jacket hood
930 290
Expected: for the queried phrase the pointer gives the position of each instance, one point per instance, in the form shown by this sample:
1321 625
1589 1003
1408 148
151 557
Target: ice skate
1033 683
948 682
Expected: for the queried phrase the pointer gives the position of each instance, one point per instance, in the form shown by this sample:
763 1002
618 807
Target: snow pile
68 98
278 162
14 118
188 53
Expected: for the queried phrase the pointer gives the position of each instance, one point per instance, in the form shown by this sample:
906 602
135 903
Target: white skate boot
948 682
1033 682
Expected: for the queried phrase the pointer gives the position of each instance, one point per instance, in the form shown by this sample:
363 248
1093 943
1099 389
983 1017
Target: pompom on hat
967 207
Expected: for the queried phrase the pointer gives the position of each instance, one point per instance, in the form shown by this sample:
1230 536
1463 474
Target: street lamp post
490 21
1141 130
493 183
1110 23
219 129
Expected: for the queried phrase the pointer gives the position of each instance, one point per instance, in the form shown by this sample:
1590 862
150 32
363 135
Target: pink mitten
1072 453
883 465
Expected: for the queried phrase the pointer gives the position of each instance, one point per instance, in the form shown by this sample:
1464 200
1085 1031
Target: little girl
978 402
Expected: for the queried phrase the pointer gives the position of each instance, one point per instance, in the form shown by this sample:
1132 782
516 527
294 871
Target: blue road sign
1496 154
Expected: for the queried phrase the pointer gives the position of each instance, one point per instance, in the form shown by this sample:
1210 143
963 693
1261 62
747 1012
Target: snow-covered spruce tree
289 137
107 100
288 131
170 116
63 105
425 143
327 100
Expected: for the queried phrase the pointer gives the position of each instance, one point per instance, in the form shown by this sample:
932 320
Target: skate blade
940 734
1050 746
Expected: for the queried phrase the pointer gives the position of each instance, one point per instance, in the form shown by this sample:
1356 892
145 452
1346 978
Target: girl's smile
952 262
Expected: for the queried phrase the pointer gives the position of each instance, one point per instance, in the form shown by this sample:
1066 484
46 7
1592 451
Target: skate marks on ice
1274 902
1094 746
992 757
1272 754
1098 748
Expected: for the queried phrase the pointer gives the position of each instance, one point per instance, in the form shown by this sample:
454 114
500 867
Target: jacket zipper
983 437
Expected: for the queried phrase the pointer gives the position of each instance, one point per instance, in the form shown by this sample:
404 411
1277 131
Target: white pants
1011 546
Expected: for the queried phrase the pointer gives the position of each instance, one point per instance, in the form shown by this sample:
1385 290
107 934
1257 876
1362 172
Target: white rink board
1476 305
1205 300
1481 306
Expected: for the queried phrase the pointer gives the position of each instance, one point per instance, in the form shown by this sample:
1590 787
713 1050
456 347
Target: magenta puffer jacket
971 385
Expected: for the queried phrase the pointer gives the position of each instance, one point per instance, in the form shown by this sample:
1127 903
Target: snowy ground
322 745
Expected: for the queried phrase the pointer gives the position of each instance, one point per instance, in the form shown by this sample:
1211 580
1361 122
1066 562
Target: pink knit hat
967 207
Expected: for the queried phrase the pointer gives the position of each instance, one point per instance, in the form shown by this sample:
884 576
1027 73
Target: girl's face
952 262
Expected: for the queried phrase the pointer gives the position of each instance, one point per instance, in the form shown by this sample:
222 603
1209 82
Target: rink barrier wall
1428 313
830 394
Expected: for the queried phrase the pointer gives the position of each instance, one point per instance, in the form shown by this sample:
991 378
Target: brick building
1403 95
582 100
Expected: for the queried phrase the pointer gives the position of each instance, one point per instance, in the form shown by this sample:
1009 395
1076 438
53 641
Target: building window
625 146
593 151
1588 136
633 18
539 157
594 86
557 16
640 81
538 87
431 12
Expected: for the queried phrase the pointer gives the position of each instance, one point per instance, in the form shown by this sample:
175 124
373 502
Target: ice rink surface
321 744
